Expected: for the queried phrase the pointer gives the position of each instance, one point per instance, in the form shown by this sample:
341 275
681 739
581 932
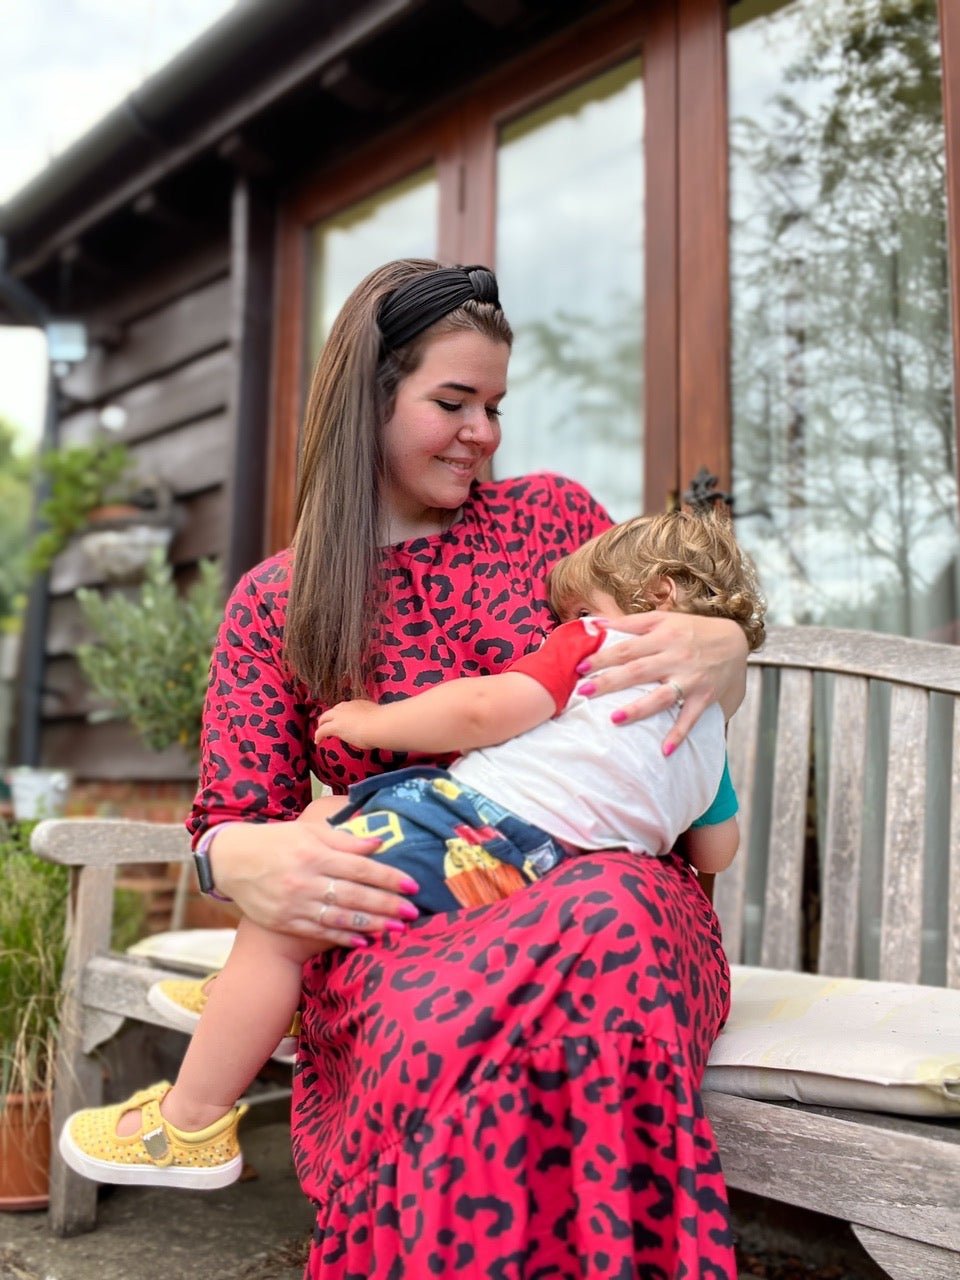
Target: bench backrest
813 684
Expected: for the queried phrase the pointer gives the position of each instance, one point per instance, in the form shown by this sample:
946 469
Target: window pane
398 222
569 261
844 440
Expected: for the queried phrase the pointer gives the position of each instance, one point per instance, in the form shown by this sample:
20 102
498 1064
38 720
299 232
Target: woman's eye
583 613
449 406
494 413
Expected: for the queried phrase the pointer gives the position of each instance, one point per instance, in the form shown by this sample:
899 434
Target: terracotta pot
24 1152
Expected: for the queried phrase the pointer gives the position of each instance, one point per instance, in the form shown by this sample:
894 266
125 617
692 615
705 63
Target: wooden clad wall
167 363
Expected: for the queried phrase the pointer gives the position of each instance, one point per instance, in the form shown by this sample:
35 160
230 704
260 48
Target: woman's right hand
312 880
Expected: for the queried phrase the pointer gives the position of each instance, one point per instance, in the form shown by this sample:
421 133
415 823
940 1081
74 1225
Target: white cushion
840 1042
199 950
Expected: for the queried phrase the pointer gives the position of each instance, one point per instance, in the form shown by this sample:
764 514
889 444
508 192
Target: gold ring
322 912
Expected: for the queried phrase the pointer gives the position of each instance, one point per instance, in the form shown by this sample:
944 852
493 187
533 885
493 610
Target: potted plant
94 496
150 656
33 915
33 908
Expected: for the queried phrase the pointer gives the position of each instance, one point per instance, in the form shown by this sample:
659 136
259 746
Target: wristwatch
201 860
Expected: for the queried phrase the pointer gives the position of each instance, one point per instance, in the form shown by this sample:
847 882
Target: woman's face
445 425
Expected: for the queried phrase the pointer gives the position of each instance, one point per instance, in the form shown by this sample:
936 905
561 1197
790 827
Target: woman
513 1090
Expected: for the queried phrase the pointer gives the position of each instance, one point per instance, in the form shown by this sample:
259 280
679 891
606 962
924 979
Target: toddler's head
678 560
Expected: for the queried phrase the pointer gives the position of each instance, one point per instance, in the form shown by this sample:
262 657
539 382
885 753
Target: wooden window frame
461 141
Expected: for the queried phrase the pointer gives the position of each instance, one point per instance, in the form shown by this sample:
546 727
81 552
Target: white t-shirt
593 783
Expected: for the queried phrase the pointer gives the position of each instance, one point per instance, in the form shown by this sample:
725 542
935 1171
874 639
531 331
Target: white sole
184 1020
172 1012
201 1179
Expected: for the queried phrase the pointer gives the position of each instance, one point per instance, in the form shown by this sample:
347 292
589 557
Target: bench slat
844 828
902 909
780 948
906 1259
730 889
892 1174
863 653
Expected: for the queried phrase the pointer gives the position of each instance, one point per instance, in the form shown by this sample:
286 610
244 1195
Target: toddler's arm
712 848
459 715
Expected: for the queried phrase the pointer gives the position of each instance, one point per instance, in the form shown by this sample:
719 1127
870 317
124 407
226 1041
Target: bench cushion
196 950
840 1042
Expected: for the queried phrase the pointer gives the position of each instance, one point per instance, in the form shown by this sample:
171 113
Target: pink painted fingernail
359 939
396 926
618 717
408 911
669 749
582 668
586 689
408 885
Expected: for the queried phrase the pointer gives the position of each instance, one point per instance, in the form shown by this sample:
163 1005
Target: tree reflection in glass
844 434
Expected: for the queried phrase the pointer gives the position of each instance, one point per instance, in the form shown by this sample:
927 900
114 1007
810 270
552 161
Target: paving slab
254 1230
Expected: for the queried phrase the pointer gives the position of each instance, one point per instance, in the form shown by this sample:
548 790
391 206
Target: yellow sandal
181 1001
158 1154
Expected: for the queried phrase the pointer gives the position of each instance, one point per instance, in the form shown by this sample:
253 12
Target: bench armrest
109 842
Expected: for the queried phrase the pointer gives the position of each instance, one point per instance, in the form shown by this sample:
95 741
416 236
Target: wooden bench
896 1180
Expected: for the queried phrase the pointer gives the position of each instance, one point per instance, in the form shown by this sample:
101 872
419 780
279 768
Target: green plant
15 490
33 911
150 661
33 915
80 478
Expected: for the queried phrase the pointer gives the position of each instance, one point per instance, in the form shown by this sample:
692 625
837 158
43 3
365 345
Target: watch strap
201 860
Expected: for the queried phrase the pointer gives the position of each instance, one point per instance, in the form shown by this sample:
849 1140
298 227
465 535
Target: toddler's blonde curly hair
697 552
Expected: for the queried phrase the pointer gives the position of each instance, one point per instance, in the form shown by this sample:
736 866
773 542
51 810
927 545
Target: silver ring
680 699
322 912
330 893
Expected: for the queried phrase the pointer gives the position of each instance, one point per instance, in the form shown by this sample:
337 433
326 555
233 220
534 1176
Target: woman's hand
310 879
704 657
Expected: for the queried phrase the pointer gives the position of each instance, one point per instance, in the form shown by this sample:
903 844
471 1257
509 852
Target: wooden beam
253 218
704 292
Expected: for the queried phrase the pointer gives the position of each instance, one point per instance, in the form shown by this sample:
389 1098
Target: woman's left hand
702 660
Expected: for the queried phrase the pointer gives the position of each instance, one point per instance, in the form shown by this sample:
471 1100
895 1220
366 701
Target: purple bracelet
201 855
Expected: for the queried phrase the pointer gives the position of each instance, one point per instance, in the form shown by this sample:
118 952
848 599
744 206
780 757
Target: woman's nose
478 427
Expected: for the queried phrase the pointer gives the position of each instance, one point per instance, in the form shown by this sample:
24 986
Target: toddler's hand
353 722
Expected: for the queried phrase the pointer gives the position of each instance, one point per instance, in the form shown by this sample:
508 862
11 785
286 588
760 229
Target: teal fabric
724 804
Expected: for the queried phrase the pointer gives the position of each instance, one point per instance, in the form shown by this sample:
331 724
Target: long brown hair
713 575
331 624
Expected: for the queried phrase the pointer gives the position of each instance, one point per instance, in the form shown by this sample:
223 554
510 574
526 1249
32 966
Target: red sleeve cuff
554 664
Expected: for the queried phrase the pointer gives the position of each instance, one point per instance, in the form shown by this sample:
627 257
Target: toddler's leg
250 1007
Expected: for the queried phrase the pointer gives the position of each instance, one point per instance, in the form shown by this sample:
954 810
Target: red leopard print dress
511 1091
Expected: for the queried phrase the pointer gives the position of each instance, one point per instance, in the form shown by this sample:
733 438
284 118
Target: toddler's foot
157 1153
182 1000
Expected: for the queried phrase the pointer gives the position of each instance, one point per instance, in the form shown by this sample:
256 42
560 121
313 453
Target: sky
63 65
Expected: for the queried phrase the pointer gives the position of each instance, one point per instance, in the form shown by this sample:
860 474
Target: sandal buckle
156 1143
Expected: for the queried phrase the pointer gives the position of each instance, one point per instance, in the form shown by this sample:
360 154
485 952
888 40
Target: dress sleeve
254 756
584 514
554 664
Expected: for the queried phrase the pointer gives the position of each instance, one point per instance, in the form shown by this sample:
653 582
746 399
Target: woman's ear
661 592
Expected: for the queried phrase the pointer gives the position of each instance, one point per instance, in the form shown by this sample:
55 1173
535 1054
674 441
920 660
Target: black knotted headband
423 301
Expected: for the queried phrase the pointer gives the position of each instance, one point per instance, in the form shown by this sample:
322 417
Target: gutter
189 106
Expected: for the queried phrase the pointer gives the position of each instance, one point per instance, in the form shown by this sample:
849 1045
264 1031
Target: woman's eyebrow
469 391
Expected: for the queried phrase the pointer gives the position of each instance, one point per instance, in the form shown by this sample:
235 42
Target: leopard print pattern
513 1091
465 602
